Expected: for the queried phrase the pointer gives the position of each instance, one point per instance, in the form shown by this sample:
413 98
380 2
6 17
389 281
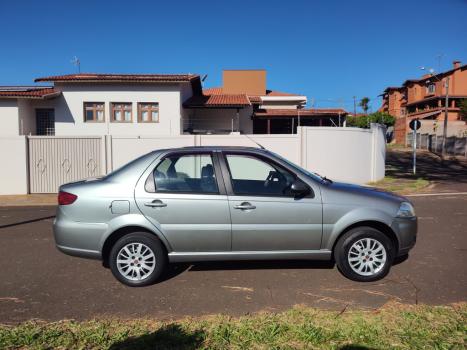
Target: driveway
39 282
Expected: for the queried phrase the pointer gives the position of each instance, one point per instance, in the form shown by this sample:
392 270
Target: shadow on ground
429 166
27 221
176 269
168 337
175 337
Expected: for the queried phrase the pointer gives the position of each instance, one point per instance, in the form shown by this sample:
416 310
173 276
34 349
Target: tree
463 108
365 121
364 104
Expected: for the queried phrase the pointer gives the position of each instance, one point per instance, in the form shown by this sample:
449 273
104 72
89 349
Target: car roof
215 148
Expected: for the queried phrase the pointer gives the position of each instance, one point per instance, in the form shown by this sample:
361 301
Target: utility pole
445 129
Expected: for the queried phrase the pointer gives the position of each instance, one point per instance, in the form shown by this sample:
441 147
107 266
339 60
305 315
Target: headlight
406 210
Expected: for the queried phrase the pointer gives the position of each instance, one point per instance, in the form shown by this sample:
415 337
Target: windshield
311 174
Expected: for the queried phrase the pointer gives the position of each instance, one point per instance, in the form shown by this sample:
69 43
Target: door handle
245 206
156 204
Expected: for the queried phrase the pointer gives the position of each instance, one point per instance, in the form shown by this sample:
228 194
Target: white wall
124 149
69 119
288 146
13 174
9 117
343 154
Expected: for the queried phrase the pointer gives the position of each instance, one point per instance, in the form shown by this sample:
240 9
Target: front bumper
406 232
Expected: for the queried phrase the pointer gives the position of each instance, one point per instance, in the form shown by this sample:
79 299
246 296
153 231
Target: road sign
415 124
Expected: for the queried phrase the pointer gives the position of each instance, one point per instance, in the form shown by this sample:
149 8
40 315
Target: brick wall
400 130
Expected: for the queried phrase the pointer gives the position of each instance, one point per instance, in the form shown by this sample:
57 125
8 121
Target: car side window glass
253 176
192 173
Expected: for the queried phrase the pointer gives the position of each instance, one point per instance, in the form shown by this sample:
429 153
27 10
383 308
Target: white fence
13 165
344 154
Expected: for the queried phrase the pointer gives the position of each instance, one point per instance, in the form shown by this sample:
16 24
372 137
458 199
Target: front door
185 200
265 215
45 122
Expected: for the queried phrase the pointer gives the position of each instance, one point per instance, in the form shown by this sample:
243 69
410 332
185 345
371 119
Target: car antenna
249 138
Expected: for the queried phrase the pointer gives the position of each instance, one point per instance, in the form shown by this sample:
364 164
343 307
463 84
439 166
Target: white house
99 104
154 104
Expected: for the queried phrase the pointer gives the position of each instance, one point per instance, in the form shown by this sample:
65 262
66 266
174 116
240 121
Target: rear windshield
129 166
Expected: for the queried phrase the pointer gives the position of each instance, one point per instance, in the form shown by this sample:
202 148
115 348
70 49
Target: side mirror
300 188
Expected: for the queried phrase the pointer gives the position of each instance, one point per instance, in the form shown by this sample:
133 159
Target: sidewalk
27 200
448 175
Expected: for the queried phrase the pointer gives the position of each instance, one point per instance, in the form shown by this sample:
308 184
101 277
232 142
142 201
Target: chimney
456 64
248 81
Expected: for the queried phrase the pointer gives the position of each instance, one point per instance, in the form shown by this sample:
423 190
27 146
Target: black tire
150 241
344 244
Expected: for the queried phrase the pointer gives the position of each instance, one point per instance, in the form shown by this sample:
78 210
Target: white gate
54 161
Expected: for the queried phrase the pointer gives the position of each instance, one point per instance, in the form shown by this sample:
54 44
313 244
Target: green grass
401 185
394 326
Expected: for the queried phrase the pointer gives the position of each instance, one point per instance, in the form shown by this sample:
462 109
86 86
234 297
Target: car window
253 176
192 173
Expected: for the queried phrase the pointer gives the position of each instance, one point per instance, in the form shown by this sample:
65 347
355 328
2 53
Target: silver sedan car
229 203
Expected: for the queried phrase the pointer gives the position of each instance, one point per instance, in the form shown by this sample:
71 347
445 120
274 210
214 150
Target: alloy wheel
367 256
136 261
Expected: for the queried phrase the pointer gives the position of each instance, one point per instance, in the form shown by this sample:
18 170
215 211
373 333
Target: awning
316 112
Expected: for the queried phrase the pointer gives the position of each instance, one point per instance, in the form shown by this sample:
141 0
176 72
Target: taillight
65 198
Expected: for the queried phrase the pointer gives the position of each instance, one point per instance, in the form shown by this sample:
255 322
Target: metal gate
54 161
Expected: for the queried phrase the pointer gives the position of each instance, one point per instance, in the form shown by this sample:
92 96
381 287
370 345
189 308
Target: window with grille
45 122
148 112
94 112
121 112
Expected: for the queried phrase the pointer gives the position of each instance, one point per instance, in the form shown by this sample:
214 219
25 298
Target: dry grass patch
401 185
394 326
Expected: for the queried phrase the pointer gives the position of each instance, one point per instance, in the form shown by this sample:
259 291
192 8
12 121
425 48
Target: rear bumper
406 231
82 253
78 238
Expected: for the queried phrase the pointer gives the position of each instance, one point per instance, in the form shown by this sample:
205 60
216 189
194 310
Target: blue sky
328 50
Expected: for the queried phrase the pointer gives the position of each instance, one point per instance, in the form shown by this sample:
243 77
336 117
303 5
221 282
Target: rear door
184 196
265 215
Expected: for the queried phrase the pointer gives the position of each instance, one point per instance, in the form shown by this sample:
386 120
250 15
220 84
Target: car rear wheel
364 254
137 259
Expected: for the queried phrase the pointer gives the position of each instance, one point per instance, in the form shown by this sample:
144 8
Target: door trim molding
322 254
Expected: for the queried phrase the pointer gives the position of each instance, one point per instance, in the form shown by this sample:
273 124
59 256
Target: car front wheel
364 254
138 259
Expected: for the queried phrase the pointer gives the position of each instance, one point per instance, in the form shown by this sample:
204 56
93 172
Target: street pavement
39 282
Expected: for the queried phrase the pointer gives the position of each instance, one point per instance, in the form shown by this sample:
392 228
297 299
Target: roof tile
214 101
29 93
91 77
